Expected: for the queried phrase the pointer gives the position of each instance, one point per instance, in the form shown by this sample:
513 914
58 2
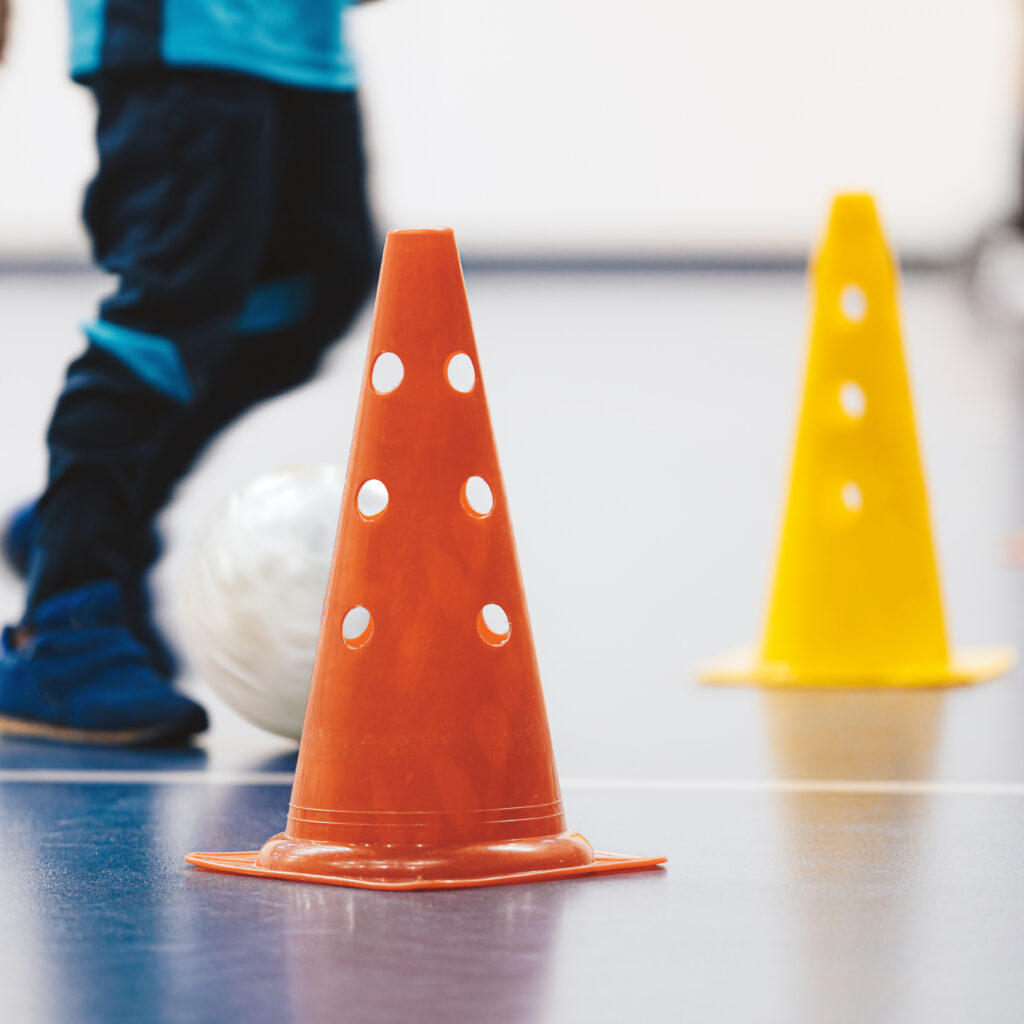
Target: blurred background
643 408
565 129
647 139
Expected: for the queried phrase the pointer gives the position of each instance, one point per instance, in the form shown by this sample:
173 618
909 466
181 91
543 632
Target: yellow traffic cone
856 598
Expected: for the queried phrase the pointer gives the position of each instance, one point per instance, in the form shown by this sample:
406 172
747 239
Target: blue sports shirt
296 42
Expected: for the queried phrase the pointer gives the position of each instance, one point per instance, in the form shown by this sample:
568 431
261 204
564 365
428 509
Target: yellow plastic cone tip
855 599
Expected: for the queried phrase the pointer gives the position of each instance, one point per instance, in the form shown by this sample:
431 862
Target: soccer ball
252 592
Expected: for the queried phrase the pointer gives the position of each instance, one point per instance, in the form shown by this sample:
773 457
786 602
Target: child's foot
77 673
15 542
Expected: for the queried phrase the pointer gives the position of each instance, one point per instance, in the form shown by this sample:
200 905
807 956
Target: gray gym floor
833 857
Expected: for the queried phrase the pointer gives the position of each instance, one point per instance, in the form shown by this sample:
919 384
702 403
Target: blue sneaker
76 673
15 542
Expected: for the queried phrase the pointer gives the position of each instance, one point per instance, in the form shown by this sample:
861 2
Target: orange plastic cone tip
425 759
856 598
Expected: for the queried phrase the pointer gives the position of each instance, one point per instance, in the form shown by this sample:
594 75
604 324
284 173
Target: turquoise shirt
295 42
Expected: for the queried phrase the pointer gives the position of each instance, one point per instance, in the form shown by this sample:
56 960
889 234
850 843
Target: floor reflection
85 892
457 957
854 734
855 859
322 953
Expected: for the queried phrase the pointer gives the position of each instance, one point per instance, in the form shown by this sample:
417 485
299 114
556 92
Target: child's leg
321 257
320 261
177 212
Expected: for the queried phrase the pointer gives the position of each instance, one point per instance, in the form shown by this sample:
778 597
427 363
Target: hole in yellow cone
476 497
853 303
387 373
493 626
852 498
356 627
852 399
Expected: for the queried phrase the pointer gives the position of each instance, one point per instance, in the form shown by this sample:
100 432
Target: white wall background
657 126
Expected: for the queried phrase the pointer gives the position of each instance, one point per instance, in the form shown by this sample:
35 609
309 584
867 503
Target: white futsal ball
253 589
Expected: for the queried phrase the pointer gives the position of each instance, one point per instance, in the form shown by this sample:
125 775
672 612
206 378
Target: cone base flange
244 863
973 665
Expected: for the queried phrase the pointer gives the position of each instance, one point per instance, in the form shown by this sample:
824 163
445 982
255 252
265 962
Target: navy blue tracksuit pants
233 212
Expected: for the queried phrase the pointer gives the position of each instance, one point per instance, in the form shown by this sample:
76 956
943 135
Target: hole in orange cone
356 627
387 374
476 497
372 500
493 626
461 372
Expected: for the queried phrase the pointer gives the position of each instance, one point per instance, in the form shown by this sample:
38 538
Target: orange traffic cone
425 759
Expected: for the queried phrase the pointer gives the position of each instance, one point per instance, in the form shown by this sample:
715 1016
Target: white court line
909 787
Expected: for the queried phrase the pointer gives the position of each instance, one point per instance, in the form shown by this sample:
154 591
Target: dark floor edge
570 263
699 263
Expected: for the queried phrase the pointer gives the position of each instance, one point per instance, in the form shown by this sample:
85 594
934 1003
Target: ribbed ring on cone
415 827
398 862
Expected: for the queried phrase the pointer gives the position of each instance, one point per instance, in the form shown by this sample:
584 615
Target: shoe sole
99 737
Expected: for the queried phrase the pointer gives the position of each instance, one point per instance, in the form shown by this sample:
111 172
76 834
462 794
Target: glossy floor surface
833 856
